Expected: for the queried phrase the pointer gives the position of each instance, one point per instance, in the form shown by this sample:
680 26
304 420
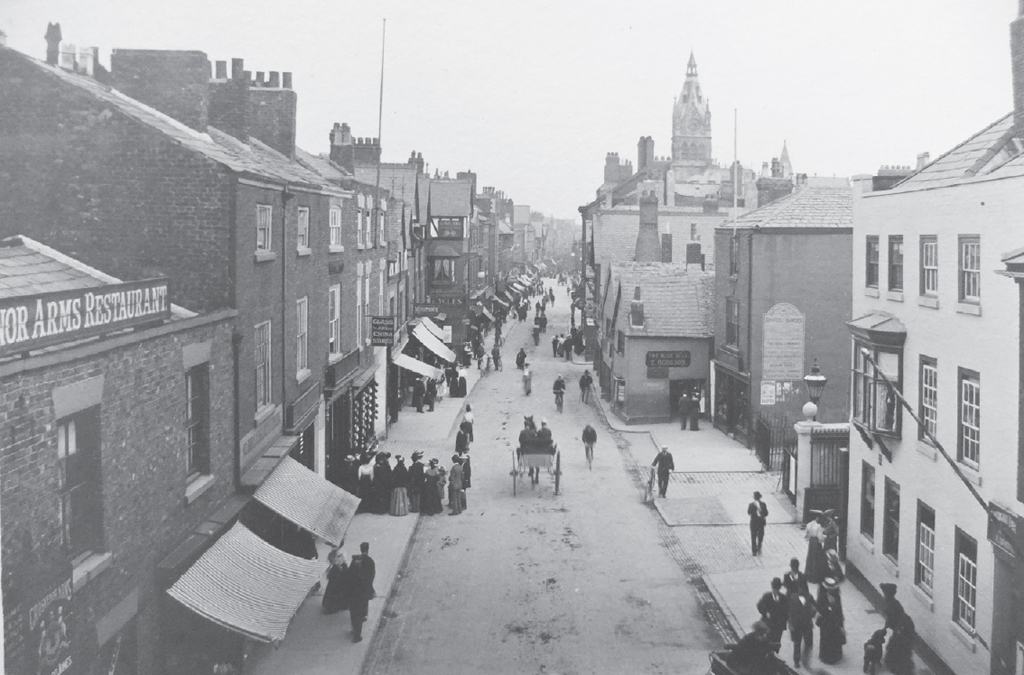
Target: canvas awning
416 366
428 340
518 285
247 585
487 313
498 299
309 501
433 327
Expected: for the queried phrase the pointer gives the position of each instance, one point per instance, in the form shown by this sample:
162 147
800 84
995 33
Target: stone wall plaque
782 354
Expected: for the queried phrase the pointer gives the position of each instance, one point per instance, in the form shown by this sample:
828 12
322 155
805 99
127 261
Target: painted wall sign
382 331
456 301
782 352
1003 529
668 359
48 621
767 392
34 321
419 309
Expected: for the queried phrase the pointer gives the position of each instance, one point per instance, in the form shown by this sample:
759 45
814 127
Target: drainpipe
286 197
236 334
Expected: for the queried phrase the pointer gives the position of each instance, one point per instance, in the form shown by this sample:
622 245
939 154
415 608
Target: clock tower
691 127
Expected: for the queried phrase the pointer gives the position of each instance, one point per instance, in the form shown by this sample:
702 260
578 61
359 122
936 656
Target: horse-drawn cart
529 458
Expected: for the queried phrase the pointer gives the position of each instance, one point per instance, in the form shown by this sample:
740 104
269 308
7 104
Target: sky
531 95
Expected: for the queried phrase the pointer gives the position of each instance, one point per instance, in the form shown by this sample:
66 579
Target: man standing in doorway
685 404
665 466
362 570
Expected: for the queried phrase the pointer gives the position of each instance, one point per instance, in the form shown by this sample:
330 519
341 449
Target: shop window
197 421
264 395
929 396
871 262
732 323
81 483
891 521
969 421
924 570
875 406
970 269
929 265
965 591
896 262
867 500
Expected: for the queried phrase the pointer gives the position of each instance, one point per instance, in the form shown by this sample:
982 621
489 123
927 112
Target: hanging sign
382 331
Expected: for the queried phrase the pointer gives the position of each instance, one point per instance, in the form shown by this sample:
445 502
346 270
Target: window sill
265 256
924 598
263 413
868 544
334 358
972 475
871 292
928 450
891 566
360 246
198 486
968 308
961 634
89 569
927 301
304 251
895 296
335 248
303 375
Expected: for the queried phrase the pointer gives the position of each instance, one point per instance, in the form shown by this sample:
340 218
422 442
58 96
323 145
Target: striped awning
416 366
248 586
428 340
433 328
500 300
309 501
487 313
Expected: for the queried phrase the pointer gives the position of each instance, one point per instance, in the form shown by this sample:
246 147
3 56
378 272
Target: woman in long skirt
830 622
416 478
817 565
335 595
430 499
400 485
365 485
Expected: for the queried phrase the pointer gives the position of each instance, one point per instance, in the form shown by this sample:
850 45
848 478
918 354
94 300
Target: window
302 238
366 309
871 262
263 227
929 265
368 221
867 500
924 570
197 421
874 405
382 218
966 576
334 320
970 269
969 438
734 256
929 396
693 232
732 322
263 375
81 488
335 226
444 270
891 521
301 330
896 262
360 207
380 292
620 343
360 308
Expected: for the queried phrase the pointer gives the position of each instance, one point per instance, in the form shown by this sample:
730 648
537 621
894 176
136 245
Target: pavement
705 508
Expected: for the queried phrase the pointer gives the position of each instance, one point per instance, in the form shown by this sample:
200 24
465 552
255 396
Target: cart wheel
558 470
514 472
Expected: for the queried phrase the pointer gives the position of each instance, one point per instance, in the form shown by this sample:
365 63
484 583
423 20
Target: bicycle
559 399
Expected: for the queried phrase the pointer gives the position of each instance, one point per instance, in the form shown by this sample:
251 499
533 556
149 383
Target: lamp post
815 383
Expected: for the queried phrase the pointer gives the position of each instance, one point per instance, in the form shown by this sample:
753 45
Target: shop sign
420 309
48 621
768 392
455 301
447 228
382 331
33 322
1003 529
668 359
783 343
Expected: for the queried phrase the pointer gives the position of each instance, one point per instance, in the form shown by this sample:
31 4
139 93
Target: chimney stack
636 310
175 82
229 102
286 80
342 150
1017 68
237 69
220 69
272 114
923 159
275 80
648 240
53 38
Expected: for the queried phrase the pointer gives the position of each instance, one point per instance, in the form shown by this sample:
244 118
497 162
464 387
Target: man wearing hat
362 571
758 512
415 481
665 467
774 609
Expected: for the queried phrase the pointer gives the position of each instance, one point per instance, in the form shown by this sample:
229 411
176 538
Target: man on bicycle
589 439
559 390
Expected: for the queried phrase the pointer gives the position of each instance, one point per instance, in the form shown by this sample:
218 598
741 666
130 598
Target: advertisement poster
767 392
50 641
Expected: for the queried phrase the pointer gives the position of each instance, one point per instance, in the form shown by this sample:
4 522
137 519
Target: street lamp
815 383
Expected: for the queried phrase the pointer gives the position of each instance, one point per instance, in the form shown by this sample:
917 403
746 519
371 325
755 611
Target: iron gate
774 437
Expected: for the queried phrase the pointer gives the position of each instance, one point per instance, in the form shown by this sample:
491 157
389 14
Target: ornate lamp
815 383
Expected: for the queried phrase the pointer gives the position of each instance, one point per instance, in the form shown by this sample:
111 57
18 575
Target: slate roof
616 241
677 302
322 165
451 197
809 207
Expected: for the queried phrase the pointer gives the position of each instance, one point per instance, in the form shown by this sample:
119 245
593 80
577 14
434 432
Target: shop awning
487 313
433 327
518 285
416 366
309 501
428 340
248 586
499 299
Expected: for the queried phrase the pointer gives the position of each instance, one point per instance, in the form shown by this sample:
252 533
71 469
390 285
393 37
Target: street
581 582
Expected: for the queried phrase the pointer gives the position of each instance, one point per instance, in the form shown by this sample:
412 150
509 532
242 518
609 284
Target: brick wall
174 82
143 467
272 118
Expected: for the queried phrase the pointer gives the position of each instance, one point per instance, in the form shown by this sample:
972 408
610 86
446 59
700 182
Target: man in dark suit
431 393
685 405
801 624
362 570
794 580
665 466
419 390
758 512
774 609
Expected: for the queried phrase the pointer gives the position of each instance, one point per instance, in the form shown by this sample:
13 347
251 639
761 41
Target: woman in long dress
830 622
365 485
335 596
816 566
430 498
400 486
415 490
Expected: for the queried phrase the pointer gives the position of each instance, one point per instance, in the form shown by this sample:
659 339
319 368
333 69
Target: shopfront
732 402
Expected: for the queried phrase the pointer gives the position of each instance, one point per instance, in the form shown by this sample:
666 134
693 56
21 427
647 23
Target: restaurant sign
34 321
382 331
668 359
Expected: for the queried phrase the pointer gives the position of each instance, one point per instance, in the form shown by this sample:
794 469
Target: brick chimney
611 167
229 100
272 106
644 153
648 240
923 158
342 149
53 38
636 310
174 82
1017 68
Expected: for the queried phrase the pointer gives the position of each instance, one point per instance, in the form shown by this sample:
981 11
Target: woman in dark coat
830 622
430 498
382 485
399 488
335 595
415 482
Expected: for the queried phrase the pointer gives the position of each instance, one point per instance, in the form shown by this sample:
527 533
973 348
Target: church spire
691 66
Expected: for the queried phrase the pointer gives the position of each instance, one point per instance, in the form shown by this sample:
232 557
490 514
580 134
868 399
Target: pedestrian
794 580
430 498
814 532
873 651
527 381
365 475
684 410
335 594
586 382
496 357
415 481
521 359
349 478
400 488
455 486
543 323
467 421
801 625
830 622
362 571
758 512
554 345
695 411
419 390
774 610
665 467
467 476
431 393
835 566
899 655
461 440
589 440
830 532
382 484
753 652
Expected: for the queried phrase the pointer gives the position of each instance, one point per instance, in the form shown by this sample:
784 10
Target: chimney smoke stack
237 69
220 70
286 80
1017 68
53 38
275 80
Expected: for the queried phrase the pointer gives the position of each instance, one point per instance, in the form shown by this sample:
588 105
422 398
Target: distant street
538 583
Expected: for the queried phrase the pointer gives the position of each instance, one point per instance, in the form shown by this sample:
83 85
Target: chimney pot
238 69
275 80
286 80
247 76
259 78
221 70
53 38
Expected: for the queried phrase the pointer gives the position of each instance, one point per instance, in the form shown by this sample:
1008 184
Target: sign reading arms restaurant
34 321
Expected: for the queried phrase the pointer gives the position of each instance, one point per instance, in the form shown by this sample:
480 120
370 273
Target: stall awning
428 340
498 299
248 586
433 327
487 313
309 501
416 366
518 285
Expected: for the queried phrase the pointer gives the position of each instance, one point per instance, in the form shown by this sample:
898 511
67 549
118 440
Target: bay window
875 405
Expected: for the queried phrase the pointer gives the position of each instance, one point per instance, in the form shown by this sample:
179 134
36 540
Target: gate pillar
803 461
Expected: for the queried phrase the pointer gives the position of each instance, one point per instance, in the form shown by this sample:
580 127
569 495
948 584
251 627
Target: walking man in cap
758 512
665 467
361 571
